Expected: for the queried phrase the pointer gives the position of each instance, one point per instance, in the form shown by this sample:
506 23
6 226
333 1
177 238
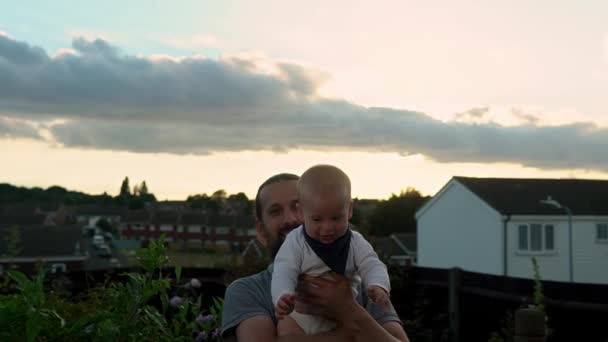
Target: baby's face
326 215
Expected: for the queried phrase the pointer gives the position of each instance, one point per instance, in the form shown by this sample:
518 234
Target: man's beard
276 245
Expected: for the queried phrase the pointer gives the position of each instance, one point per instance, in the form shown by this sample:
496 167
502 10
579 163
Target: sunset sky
195 96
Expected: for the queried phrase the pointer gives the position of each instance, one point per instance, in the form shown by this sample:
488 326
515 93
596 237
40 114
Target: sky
195 96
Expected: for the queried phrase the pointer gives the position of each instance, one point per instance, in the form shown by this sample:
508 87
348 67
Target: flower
176 301
195 283
205 318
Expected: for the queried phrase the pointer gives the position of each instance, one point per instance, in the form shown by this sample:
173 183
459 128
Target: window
523 237
58 268
166 228
222 230
536 237
194 229
536 243
602 232
137 226
549 237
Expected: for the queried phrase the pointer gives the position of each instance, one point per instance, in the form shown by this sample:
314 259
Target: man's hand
331 297
379 296
285 305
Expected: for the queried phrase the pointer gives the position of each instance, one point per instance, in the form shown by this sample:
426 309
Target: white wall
553 265
590 257
460 230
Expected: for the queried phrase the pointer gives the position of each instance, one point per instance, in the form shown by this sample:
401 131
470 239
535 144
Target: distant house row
189 229
56 235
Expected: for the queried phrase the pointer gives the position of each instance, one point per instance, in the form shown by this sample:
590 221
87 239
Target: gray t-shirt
250 296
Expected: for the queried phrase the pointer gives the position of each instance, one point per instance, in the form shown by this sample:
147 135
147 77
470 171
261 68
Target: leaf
19 278
32 328
61 320
178 273
164 298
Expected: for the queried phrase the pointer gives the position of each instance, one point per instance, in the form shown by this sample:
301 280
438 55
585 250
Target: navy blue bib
334 254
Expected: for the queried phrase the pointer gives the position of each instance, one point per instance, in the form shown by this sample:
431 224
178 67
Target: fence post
453 303
530 325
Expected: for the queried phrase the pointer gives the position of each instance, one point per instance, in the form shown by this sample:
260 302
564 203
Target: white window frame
542 249
598 226
195 229
59 266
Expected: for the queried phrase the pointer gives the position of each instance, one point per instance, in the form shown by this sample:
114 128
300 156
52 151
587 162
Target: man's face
279 202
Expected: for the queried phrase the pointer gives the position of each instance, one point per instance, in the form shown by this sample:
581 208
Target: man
248 309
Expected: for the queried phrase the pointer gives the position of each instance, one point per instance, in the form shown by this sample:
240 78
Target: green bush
138 309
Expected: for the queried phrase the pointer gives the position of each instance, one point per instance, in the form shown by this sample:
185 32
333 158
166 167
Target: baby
325 243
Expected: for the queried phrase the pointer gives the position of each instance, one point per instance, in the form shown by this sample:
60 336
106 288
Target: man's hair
281 177
323 178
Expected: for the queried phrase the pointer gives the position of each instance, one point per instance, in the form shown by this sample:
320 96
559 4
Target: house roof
522 196
197 218
99 210
408 240
41 241
386 247
141 215
10 218
166 216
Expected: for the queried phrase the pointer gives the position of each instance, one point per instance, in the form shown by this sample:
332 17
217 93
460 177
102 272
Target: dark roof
9 218
99 210
522 196
409 240
165 216
49 206
193 218
137 216
222 220
386 247
40 241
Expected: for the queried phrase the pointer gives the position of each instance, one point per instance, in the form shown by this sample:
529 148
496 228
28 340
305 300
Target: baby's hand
379 296
285 305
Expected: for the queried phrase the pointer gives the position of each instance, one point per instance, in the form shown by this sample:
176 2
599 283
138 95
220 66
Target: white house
496 226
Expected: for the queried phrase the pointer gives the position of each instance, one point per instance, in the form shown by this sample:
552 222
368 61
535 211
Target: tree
13 241
136 190
241 202
125 190
219 195
397 213
143 188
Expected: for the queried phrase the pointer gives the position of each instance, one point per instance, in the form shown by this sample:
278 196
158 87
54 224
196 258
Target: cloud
525 118
100 98
472 114
16 128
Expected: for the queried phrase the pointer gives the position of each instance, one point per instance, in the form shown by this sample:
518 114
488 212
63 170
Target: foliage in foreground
142 308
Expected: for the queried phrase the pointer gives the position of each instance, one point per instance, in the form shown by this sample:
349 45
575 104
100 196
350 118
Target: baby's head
325 202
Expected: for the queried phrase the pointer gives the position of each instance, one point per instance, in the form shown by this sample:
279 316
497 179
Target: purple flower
195 283
202 336
176 301
205 318
215 333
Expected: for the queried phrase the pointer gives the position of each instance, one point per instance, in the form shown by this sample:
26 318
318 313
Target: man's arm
334 300
262 329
